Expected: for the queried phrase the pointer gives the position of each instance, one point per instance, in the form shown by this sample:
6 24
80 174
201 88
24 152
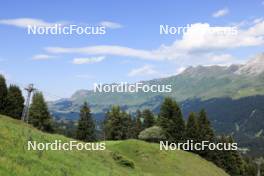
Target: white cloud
221 12
42 57
111 25
87 60
200 38
106 50
149 70
221 58
257 20
143 71
180 70
257 30
25 22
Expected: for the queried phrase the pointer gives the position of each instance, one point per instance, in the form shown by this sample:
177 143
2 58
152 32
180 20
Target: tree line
12 104
168 125
11 99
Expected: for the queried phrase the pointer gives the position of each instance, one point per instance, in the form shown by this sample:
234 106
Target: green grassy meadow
121 158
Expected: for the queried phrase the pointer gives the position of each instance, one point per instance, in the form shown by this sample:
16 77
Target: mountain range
202 82
232 95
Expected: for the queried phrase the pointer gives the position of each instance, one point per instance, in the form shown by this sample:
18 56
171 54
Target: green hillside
134 157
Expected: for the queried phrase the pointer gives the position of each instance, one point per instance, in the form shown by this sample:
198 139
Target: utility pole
29 90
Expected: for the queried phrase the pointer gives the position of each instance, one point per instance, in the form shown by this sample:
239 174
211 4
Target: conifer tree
148 119
86 125
171 120
206 132
138 123
128 126
250 167
237 167
39 115
192 131
131 123
3 94
230 160
14 102
115 125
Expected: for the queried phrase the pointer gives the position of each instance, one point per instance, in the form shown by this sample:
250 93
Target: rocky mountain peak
254 66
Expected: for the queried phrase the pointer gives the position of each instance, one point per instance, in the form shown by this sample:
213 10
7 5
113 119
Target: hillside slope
15 159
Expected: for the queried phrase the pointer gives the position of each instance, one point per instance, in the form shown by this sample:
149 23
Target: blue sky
132 48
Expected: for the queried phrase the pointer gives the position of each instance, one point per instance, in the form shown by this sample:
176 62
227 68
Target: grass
121 158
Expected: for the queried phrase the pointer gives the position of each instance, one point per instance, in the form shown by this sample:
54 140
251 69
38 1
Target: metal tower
29 90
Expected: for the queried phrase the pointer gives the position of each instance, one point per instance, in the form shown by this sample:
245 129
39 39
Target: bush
152 134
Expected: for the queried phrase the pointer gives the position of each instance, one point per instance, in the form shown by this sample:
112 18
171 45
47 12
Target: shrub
152 134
